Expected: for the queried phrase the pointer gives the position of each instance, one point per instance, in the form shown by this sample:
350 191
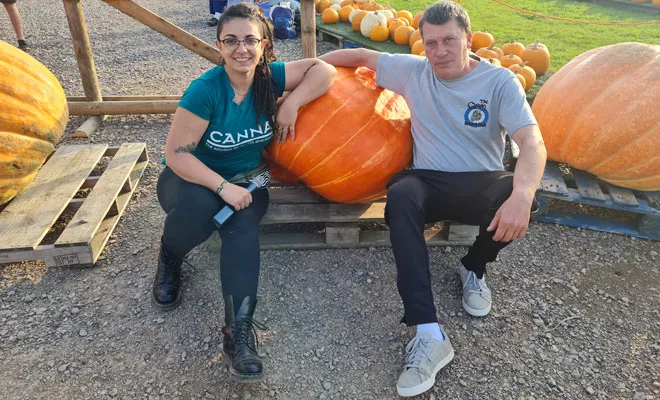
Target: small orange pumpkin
329 16
527 72
379 33
417 47
481 39
416 19
345 12
510 60
402 35
415 36
537 57
513 47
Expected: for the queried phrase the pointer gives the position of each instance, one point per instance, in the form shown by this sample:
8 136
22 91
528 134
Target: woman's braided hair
265 100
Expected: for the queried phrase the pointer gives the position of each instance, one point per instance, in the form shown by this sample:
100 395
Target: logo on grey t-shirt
476 115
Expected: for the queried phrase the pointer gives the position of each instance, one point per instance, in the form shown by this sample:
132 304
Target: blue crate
351 45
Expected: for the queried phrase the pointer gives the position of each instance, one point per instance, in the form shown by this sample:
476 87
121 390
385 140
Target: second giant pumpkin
599 113
350 141
33 116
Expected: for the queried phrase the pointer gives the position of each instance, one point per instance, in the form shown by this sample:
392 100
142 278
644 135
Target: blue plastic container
217 6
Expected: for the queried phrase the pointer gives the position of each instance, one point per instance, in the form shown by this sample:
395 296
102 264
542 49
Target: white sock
217 15
433 329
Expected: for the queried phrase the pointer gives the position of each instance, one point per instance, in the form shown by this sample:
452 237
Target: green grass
565 40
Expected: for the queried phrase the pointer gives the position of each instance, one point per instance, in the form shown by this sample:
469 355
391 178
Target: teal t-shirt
233 141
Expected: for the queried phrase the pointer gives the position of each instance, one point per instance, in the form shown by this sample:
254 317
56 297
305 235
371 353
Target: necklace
237 92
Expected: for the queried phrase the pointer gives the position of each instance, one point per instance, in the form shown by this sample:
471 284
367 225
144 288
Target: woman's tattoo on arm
186 149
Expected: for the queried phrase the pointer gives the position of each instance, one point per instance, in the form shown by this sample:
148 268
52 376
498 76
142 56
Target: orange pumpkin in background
350 141
599 113
33 116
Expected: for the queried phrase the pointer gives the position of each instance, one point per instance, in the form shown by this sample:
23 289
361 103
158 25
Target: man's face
446 48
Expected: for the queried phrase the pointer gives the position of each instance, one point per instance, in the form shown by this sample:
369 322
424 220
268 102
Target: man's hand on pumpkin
512 218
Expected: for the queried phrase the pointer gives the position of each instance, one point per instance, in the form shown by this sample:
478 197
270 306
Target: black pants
417 197
190 209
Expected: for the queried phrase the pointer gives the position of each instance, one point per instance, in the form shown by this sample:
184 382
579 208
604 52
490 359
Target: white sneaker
477 298
425 357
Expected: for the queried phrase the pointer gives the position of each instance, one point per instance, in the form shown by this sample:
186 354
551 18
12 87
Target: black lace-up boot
239 343
166 294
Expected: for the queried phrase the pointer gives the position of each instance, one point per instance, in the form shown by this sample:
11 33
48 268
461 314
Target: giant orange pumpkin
350 141
599 113
33 115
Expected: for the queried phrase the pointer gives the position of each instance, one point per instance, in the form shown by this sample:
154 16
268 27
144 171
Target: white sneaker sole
427 384
476 312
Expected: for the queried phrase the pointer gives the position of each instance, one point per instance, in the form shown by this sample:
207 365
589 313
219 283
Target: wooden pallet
295 204
578 186
29 217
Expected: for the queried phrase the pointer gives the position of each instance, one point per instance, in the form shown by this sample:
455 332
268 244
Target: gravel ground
575 312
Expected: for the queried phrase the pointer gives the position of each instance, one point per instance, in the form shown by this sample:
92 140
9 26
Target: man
15 18
461 108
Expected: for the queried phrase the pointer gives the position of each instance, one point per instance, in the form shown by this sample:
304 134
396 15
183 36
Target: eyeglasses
249 43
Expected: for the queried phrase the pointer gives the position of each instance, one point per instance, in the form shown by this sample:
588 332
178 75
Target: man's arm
352 58
512 218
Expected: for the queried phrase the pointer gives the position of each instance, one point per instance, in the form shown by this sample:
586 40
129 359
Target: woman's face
241 44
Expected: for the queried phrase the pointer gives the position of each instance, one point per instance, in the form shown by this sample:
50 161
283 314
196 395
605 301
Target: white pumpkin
388 14
350 16
370 20
336 7
337 2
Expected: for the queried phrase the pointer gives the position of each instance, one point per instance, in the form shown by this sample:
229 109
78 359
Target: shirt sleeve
278 71
514 110
198 99
393 71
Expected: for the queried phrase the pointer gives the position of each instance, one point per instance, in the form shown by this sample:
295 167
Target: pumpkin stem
535 45
493 44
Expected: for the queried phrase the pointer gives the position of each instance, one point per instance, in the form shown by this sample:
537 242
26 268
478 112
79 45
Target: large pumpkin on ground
33 115
350 141
599 113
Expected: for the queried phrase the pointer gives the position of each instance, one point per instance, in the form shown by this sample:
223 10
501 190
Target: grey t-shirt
457 125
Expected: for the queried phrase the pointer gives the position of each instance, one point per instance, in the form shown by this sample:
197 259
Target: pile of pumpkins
381 23
527 62
374 21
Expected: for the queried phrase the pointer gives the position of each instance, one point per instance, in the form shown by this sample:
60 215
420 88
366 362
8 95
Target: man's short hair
444 11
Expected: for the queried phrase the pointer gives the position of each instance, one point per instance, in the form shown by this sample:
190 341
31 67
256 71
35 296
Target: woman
224 120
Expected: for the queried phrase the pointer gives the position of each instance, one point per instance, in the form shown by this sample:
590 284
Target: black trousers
190 209
418 197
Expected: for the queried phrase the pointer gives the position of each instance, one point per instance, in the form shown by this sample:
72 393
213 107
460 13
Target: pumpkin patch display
33 116
350 141
596 114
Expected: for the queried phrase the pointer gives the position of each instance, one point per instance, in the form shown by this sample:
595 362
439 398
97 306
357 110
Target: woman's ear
264 43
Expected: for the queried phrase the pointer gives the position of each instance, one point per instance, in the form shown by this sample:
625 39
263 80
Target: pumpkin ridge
336 150
366 162
300 150
13 122
627 145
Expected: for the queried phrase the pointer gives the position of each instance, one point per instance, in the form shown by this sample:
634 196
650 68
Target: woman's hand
236 196
286 122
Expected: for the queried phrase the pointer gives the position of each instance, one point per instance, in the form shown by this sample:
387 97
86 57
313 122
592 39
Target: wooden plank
553 180
122 107
27 219
51 255
167 29
87 220
463 233
339 234
622 196
333 212
653 198
587 185
294 195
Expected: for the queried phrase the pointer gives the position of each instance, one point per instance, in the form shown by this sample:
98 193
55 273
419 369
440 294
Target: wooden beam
122 107
127 98
88 127
83 49
308 28
167 29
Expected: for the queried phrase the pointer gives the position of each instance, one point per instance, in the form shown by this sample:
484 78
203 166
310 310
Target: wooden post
308 28
86 67
166 28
